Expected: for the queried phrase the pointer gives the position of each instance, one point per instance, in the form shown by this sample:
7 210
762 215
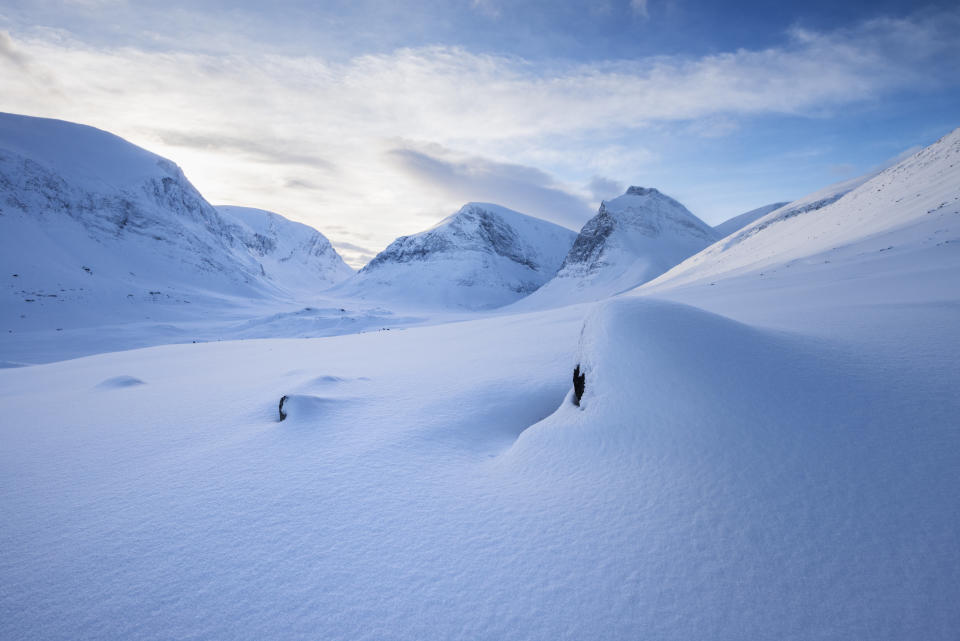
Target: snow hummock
632 239
481 257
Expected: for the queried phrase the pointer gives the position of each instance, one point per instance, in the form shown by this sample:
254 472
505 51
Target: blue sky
373 119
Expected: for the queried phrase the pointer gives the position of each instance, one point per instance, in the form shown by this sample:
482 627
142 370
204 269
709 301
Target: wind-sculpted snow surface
481 257
785 470
755 484
716 476
632 239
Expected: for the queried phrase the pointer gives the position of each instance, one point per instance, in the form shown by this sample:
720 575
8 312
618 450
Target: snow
632 239
105 246
483 256
766 448
293 255
737 223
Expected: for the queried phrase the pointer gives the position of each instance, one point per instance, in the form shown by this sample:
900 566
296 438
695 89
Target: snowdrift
751 483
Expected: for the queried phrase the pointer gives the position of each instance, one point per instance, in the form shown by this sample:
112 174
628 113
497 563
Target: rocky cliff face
632 239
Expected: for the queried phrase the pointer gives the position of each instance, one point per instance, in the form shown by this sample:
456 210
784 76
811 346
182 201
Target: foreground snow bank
752 483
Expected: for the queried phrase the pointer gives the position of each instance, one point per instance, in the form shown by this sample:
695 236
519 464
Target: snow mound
776 486
632 239
119 382
481 257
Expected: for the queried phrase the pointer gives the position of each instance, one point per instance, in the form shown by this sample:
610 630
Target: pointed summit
632 239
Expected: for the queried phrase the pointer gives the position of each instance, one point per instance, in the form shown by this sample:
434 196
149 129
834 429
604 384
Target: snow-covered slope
727 227
481 257
633 238
96 230
908 212
290 254
721 478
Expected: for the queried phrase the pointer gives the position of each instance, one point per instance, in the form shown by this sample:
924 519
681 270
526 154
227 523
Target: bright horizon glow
368 124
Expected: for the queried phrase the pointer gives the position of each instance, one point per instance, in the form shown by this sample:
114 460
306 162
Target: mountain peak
483 256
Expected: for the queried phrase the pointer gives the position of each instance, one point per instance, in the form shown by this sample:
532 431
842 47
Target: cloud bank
328 143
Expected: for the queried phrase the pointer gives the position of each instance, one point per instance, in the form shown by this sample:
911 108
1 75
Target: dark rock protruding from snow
579 384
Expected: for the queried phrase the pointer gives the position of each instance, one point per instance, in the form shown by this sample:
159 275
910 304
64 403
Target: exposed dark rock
579 384
283 399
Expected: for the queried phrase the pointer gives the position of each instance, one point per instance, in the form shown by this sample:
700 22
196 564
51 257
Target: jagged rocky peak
638 213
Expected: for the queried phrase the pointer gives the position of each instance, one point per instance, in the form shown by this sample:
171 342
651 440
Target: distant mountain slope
481 257
94 229
736 223
911 210
290 254
632 239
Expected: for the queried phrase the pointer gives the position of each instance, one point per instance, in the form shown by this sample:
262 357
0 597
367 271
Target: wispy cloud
639 8
9 53
479 179
238 123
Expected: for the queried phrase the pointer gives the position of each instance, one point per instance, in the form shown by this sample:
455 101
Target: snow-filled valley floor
767 445
720 480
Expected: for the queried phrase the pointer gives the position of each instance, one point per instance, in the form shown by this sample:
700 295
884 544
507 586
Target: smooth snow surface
767 447
481 257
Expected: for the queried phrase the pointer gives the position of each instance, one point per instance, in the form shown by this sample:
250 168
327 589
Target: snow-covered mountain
291 254
481 257
719 473
737 223
888 223
95 225
632 239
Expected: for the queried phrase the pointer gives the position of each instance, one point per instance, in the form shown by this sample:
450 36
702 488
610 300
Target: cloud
354 255
526 189
486 7
639 8
601 188
301 183
9 52
238 123
278 151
